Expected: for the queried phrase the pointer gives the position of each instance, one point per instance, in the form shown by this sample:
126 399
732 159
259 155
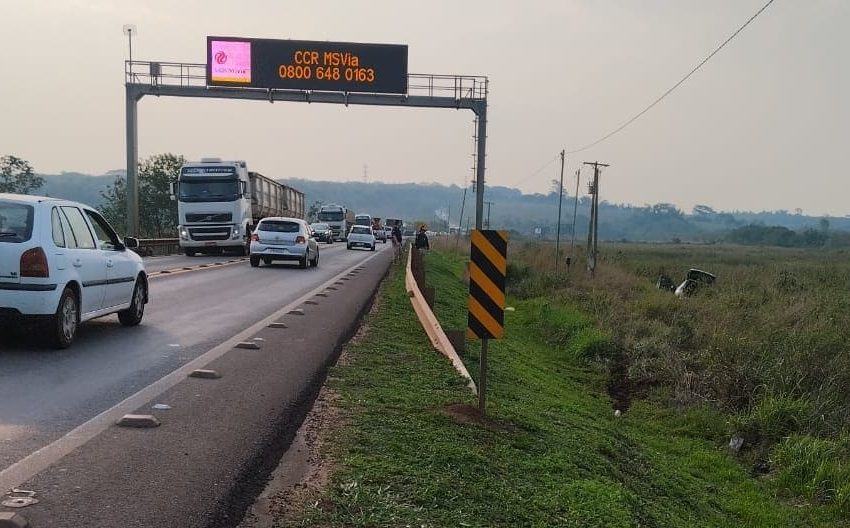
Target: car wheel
302 263
255 261
315 262
63 324
133 315
348 246
330 240
267 261
385 241
189 253
373 247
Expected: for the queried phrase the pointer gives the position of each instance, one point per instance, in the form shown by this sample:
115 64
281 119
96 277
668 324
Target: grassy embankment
554 454
767 346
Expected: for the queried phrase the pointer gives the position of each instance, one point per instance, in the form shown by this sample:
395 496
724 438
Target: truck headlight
235 233
184 233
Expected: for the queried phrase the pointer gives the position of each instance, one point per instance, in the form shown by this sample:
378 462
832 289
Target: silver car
280 238
361 236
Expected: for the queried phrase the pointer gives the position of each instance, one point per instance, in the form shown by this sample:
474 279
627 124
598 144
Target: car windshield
15 222
319 227
279 226
359 230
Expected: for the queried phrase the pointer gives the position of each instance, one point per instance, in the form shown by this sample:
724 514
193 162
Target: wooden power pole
593 227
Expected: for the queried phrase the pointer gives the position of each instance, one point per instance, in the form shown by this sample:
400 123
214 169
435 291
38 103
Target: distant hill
75 186
525 214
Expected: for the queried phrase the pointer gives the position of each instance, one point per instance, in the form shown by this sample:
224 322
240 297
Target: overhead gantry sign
301 71
306 65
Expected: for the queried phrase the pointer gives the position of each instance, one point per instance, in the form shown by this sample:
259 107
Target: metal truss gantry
172 79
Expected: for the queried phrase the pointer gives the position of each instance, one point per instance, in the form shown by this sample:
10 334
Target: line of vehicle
33 464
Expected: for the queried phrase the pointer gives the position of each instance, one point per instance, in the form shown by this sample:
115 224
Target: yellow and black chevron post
488 256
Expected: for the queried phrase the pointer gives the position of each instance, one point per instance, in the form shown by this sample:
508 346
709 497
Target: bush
815 468
772 418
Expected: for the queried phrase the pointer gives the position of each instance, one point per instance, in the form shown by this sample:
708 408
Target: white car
361 236
281 238
61 263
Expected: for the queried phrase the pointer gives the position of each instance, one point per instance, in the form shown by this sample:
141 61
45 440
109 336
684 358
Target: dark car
323 232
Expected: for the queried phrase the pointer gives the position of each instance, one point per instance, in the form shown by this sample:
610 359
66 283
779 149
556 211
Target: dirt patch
619 386
463 413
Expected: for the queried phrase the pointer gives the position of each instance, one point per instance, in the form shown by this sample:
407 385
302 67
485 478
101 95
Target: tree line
157 212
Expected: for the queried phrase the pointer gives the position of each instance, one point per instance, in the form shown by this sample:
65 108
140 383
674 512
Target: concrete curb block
432 327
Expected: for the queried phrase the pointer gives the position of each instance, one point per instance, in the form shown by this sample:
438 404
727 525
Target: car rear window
16 221
361 230
277 226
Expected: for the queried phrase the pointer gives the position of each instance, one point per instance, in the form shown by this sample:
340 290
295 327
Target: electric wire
668 92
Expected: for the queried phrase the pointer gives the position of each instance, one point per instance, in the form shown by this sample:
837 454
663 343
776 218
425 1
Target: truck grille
209 217
204 234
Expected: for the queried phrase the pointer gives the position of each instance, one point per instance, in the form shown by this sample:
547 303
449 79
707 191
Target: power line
665 94
541 169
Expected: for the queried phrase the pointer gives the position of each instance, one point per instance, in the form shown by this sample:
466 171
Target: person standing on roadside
396 240
422 239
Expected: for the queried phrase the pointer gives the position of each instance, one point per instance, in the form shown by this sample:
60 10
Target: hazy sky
764 125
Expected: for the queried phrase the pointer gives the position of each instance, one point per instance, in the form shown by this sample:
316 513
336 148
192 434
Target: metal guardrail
153 73
149 247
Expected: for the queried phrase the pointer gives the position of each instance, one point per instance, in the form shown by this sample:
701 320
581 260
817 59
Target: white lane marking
33 464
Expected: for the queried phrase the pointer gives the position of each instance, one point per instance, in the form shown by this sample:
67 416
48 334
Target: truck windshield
200 190
330 216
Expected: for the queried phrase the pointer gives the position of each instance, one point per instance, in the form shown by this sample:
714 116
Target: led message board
306 65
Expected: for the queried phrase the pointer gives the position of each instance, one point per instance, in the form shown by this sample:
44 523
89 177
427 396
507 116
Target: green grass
557 455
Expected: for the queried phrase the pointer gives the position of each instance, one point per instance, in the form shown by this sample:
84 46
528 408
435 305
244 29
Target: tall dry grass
768 344
776 324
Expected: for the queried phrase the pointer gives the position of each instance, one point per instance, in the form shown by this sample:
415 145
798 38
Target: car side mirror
131 243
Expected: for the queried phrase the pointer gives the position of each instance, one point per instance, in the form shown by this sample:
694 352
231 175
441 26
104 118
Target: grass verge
553 453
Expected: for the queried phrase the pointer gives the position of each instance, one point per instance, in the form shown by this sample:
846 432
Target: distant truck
378 229
220 202
339 218
363 219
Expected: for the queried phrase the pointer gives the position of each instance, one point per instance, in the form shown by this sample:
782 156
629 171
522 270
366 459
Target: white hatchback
361 236
61 263
282 238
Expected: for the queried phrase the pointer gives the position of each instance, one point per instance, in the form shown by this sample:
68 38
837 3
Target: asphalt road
45 394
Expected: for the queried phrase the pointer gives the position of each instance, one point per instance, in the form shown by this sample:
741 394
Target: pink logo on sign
231 61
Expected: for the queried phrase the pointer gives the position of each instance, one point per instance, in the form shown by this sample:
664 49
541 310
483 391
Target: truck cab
338 218
213 206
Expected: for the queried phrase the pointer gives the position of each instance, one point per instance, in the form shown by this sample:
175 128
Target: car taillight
255 237
300 240
34 263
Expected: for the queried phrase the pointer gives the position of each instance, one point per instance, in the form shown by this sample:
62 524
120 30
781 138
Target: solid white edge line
36 462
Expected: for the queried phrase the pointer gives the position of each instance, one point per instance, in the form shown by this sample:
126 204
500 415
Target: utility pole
132 142
558 229
460 219
575 211
488 212
593 228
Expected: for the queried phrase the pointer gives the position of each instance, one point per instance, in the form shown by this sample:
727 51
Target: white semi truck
338 218
220 202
